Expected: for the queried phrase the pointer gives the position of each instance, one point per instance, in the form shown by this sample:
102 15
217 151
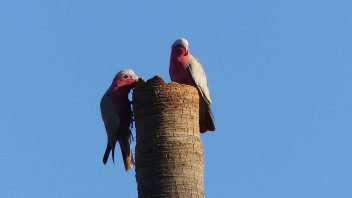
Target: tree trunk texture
169 154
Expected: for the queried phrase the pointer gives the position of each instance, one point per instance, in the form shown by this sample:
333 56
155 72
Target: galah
186 69
116 112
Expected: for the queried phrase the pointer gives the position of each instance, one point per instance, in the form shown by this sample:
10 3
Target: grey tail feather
210 120
113 154
206 118
107 153
126 151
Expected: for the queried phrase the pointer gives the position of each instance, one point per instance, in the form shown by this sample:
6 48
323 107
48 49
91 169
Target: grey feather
111 121
199 77
207 121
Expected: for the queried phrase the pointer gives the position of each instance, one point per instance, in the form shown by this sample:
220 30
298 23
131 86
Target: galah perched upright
186 69
117 116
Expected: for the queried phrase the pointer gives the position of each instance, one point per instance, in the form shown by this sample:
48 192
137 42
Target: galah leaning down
117 116
186 69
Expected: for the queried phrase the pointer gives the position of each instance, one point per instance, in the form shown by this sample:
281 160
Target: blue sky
279 73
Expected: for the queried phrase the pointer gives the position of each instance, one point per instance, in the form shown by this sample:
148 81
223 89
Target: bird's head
125 78
180 48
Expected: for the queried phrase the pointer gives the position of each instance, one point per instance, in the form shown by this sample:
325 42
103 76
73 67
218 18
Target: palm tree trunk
169 154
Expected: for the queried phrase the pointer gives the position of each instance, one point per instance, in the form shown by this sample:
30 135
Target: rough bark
169 154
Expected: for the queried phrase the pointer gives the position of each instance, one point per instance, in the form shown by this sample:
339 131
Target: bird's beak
135 77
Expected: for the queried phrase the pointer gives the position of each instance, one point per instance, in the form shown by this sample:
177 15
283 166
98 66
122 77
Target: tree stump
169 153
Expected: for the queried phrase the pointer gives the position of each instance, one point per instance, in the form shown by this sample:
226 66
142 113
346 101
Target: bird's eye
125 76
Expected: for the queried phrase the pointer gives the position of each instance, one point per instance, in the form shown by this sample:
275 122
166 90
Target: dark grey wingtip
211 120
106 154
208 124
113 155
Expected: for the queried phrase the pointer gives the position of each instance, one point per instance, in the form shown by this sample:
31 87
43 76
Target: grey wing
199 78
206 117
110 117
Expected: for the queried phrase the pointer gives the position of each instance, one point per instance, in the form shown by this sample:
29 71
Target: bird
116 113
186 69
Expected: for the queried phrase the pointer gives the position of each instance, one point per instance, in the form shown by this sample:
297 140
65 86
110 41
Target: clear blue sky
280 73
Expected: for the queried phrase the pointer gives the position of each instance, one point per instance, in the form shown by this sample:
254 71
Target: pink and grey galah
116 112
186 69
